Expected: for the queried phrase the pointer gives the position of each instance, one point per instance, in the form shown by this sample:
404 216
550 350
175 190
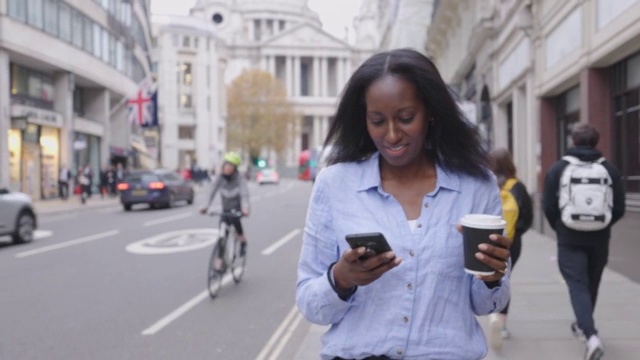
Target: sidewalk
540 312
45 207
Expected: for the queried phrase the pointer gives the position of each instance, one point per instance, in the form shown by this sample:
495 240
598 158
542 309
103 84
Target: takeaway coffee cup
476 229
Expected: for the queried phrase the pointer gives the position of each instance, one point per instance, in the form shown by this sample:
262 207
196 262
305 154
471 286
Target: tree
260 117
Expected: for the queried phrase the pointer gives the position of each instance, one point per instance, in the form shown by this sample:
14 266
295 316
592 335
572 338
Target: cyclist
234 193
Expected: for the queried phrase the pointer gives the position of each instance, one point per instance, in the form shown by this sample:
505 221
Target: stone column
271 61
316 77
317 132
296 76
289 75
264 66
251 30
341 73
324 71
5 118
64 83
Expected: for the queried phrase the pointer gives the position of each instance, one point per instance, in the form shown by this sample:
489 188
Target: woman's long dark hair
453 143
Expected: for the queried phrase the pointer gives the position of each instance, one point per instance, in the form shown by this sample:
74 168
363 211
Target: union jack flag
143 106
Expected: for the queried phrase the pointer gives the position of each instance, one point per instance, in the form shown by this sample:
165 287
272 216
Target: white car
267 176
17 217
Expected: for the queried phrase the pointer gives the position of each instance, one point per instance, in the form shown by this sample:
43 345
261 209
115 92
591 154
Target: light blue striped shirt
425 307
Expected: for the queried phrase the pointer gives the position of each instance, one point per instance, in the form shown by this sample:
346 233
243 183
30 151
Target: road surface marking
41 234
174 242
167 219
276 245
111 209
289 323
183 309
47 219
68 243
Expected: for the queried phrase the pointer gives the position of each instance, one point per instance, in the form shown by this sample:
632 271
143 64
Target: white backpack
585 195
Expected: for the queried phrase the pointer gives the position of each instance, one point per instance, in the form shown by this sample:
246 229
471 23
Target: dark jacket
552 209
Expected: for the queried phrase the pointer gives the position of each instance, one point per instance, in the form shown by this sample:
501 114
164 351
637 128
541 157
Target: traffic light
261 163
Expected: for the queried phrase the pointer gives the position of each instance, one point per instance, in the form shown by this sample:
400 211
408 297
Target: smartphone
374 242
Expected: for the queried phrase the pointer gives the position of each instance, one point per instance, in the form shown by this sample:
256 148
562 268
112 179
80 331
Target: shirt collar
370 177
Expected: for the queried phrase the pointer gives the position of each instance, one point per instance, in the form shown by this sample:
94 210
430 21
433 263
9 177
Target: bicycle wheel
214 276
238 263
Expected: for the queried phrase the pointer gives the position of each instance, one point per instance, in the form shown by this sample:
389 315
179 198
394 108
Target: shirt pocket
448 251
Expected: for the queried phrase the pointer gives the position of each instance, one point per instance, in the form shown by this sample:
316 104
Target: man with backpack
583 197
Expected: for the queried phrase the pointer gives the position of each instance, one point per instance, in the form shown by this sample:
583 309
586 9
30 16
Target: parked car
267 176
157 188
17 217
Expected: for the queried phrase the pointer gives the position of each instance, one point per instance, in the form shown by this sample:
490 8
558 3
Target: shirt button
409 286
399 352
419 226
405 319
412 253
426 205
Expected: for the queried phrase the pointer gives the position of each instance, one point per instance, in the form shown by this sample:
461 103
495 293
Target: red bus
304 165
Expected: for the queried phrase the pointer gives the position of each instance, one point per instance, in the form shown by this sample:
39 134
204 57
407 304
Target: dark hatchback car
157 188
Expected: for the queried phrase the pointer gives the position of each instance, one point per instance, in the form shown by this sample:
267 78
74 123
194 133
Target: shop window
32 87
626 101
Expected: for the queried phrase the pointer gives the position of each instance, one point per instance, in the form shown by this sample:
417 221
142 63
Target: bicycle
229 257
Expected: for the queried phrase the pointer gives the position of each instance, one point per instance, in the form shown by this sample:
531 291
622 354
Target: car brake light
123 186
156 185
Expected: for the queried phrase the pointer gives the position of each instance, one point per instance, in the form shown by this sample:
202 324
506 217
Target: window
78 101
34 11
304 78
186 132
97 40
18 9
64 24
105 45
509 114
112 50
626 102
51 17
31 84
195 42
186 41
568 110
87 39
281 25
187 78
120 56
76 28
184 101
174 40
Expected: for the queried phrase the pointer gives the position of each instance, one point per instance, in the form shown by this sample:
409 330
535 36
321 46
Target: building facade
67 69
285 38
533 69
190 73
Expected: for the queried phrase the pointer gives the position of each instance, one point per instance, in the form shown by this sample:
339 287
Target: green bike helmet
233 158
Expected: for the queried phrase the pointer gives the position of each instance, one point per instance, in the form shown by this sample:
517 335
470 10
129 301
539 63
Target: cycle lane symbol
174 242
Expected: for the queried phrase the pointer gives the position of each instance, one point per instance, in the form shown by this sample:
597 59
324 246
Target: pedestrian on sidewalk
583 198
405 163
63 182
517 209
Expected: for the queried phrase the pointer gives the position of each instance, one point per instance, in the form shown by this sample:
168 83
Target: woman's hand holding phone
361 266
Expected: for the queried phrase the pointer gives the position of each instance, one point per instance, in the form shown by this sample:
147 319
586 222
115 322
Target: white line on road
111 209
47 220
290 322
167 219
41 234
276 245
68 243
175 314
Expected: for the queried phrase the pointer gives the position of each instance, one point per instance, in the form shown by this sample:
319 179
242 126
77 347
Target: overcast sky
333 20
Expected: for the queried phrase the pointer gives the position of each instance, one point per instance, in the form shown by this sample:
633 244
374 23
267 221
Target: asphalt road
83 291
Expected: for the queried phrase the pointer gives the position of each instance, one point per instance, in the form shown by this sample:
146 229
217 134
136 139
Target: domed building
285 38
